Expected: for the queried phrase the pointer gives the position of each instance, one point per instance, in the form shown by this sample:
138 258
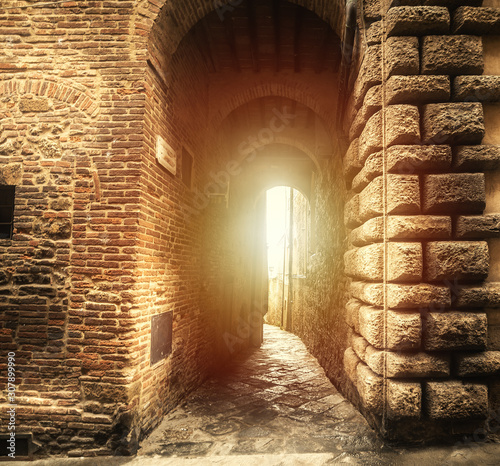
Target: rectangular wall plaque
166 155
161 336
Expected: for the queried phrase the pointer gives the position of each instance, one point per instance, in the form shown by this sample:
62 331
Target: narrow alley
273 400
274 406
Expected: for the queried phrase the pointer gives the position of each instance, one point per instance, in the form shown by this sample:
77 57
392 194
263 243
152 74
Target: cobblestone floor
275 406
275 400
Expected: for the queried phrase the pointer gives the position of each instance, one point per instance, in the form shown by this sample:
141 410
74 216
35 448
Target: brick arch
52 89
184 14
284 87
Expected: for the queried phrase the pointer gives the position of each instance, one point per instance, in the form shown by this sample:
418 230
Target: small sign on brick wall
166 155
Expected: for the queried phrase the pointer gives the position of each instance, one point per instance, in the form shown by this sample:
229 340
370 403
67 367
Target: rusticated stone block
456 400
371 231
374 33
371 388
404 365
402 56
414 158
371 10
369 75
486 363
455 330
403 194
351 362
359 345
402 124
365 263
404 262
417 89
352 313
351 163
487 295
402 127
477 158
401 365
372 169
417 20
453 123
452 55
351 212
476 88
363 115
371 293
418 227
476 21
454 193
404 330
371 325
421 296
370 140
460 260
478 226
370 200
404 399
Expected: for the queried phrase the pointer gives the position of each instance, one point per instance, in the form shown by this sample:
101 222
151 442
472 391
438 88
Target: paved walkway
274 406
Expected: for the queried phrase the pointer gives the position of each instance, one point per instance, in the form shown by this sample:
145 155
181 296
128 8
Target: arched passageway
135 140
252 98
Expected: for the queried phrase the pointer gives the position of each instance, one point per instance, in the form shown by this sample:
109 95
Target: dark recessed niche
161 336
7 201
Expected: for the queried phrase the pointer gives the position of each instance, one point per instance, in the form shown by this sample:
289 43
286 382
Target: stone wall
420 353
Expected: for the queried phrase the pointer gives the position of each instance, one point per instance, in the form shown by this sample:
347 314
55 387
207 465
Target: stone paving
275 400
275 406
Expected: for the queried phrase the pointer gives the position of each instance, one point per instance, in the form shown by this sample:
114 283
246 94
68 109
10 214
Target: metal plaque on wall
161 336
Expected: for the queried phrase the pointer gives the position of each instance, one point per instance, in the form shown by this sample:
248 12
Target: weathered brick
351 362
453 123
417 20
456 400
351 163
452 55
460 260
417 89
454 193
455 330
